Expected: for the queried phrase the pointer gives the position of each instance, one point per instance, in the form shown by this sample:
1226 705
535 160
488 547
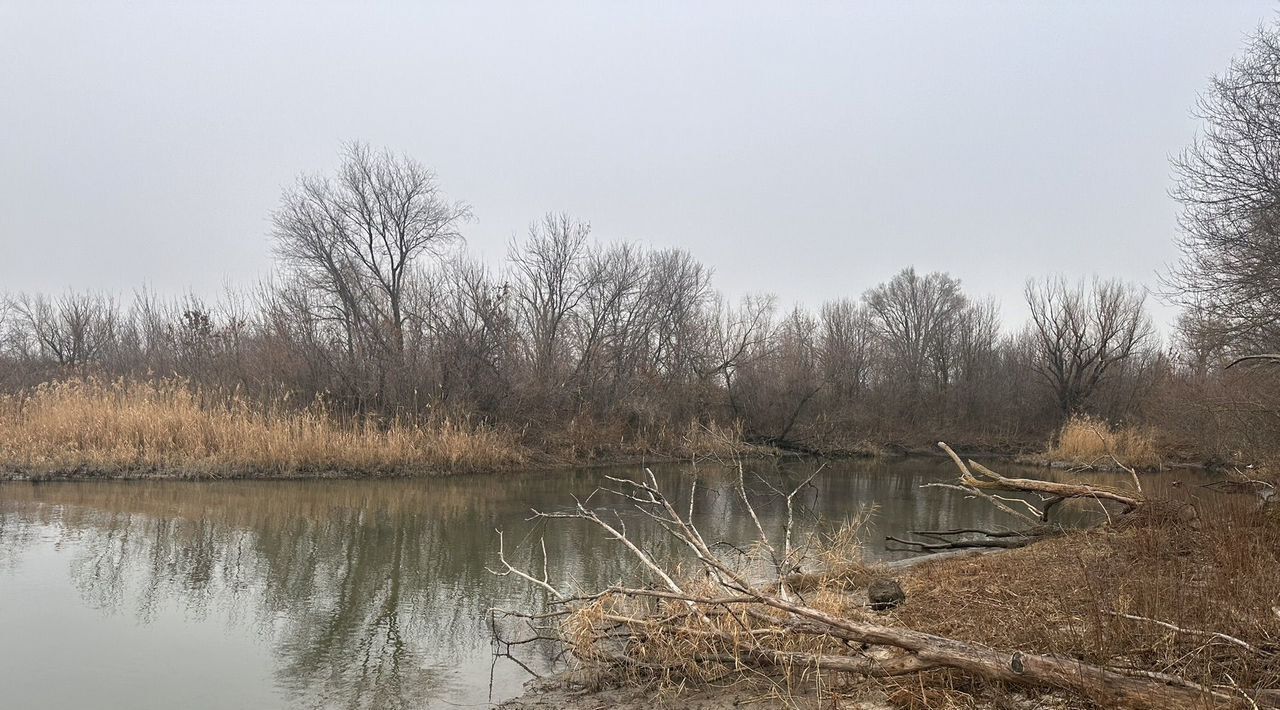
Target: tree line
375 308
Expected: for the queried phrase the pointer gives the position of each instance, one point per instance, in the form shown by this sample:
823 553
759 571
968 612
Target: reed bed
90 426
1089 442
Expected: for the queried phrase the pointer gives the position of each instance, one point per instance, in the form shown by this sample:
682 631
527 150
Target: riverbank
1157 594
170 429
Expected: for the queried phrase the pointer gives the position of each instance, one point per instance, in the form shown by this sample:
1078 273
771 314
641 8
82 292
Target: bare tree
1229 187
72 330
778 388
680 293
915 316
549 283
355 238
739 335
473 333
1080 336
847 347
613 330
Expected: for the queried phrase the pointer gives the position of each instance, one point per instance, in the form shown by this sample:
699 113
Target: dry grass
92 426
591 440
1053 597
1085 441
715 442
1215 574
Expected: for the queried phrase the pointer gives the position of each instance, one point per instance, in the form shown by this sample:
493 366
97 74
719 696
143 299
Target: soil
560 693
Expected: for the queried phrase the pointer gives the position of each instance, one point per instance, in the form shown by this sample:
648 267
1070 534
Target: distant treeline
377 310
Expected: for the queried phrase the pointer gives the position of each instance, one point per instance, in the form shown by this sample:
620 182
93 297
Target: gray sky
810 151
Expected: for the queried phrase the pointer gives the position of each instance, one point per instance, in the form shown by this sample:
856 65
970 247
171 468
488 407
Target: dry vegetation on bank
90 427
1171 604
1065 595
1089 442
168 426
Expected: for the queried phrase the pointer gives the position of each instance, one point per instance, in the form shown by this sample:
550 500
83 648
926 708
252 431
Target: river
349 593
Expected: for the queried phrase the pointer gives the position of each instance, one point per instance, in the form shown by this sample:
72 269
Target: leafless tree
778 387
1229 187
355 238
915 316
72 330
847 348
614 328
1082 335
680 293
739 335
473 337
549 282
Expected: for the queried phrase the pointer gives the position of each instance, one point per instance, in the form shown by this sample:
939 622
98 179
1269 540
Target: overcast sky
806 150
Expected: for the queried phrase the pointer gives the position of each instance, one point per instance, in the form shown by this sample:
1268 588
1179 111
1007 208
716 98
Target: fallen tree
978 481
716 621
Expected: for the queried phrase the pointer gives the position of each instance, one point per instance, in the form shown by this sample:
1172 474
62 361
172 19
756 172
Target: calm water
337 594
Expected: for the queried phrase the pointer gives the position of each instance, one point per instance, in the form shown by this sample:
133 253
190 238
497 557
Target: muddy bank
196 474
539 464
562 694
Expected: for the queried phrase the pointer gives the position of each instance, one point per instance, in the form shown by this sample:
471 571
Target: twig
1213 634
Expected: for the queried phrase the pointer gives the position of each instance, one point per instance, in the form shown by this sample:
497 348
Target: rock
1189 516
884 594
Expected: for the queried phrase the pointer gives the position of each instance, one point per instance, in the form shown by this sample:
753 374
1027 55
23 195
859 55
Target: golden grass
1086 441
91 426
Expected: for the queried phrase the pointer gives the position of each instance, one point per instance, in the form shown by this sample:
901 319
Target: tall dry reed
120 426
1087 441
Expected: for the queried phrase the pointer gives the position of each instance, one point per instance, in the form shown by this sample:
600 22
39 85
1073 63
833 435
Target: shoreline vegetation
397 353
170 428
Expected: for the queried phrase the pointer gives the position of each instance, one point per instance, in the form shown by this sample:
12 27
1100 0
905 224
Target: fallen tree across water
713 621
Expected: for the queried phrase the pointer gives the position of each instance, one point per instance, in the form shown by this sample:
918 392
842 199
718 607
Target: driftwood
724 622
979 481
989 480
962 538
1240 482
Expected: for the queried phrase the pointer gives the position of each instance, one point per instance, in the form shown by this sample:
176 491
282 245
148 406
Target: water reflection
372 594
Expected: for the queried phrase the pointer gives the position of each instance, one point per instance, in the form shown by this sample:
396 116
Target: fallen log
998 539
990 480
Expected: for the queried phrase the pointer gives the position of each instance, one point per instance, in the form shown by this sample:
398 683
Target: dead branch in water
979 481
990 480
717 621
